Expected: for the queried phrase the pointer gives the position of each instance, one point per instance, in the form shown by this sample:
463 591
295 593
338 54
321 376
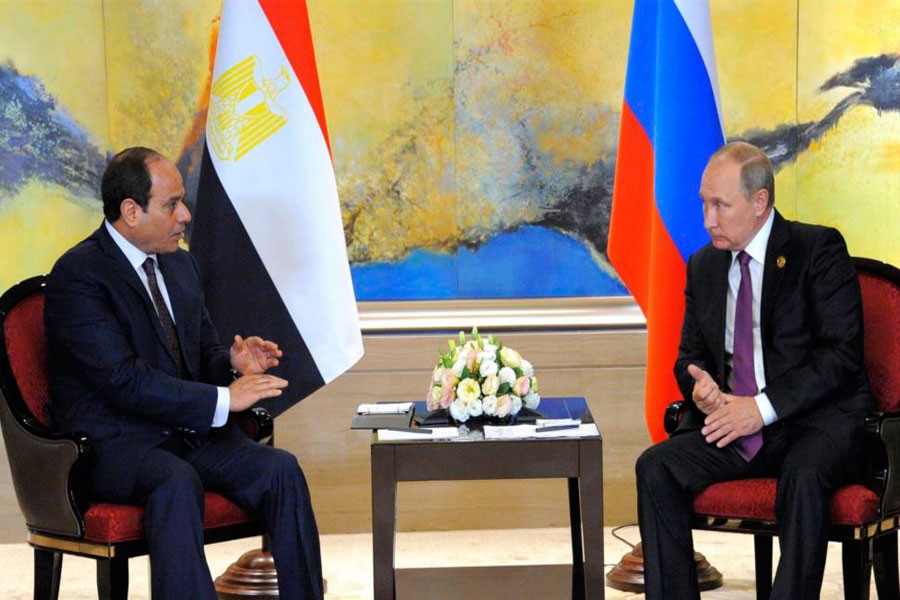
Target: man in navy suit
809 390
136 364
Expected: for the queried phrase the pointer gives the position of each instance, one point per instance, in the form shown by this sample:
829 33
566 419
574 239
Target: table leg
384 517
590 484
577 545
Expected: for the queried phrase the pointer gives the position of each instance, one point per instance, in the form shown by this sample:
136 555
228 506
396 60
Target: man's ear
129 210
760 201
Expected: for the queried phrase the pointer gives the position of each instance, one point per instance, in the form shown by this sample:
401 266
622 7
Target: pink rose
448 395
522 385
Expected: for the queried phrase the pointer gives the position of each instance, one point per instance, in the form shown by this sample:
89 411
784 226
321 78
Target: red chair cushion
117 523
755 499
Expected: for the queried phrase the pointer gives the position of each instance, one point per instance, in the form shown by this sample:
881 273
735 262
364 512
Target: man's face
730 217
161 226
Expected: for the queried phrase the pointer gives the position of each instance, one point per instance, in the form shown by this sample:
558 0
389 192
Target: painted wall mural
474 142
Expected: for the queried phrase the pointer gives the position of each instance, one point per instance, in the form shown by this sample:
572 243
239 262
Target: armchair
48 468
864 518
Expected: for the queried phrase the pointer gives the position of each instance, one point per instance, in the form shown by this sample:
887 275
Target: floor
348 563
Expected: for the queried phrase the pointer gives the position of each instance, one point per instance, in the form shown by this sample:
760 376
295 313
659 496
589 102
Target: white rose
489 405
436 393
458 411
468 390
488 368
532 400
490 385
474 408
527 369
458 366
510 357
507 375
489 348
516 405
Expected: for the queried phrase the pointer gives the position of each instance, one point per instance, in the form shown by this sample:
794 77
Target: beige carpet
348 561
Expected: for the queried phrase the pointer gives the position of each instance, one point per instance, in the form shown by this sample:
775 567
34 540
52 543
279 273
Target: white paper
437 433
520 432
386 408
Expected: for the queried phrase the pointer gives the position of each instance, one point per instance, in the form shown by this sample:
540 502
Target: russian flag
670 126
267 233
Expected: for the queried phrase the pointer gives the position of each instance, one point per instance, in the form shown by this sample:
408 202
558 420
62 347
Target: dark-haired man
770 365
136 363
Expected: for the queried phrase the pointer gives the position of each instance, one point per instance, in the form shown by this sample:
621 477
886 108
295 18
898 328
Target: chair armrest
48 471
674 415
257 423
883 450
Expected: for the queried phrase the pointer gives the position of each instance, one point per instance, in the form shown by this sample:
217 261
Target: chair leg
112 578
47 571
762 550
857 563
884 563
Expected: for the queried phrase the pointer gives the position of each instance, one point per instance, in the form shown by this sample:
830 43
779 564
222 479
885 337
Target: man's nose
184 214
709 219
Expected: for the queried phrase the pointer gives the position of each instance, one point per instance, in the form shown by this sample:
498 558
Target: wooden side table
580 460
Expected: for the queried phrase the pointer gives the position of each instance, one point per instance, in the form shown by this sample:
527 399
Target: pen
557 427
409 429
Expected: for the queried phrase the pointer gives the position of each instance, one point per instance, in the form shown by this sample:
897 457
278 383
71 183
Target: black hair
127 176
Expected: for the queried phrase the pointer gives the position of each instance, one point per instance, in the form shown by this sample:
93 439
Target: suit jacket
112 374
811 326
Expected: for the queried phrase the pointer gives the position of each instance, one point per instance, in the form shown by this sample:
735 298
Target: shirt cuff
223 403
766 410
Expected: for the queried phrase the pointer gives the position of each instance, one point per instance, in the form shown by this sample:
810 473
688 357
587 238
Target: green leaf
503 389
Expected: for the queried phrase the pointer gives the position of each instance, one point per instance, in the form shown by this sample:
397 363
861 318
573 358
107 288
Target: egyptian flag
267 232
670 127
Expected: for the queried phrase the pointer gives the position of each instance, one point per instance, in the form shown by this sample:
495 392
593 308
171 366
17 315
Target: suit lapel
716 320
182 299
777 262
126 272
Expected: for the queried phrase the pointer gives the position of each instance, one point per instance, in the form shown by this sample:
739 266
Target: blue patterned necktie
164 317
743 375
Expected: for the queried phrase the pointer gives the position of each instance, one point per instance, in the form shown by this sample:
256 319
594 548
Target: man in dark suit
136 363
784 370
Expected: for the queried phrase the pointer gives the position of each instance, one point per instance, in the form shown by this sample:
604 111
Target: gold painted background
421 97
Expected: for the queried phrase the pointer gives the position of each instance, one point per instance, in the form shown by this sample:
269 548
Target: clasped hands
728 417
252 357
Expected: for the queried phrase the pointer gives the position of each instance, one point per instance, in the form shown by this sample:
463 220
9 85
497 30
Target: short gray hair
756 168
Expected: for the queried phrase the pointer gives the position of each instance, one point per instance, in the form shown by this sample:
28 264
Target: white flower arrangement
480 377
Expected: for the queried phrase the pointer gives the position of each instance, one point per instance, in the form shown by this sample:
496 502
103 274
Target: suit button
165 433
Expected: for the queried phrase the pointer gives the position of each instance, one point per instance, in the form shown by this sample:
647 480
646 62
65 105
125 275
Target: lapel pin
780 262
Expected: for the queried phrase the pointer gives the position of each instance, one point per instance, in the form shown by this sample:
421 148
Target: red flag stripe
290 22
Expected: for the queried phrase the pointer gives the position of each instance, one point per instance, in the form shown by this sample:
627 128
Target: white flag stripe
285 193
696 16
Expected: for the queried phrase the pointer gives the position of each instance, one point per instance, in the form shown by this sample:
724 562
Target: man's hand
253 355
248 390
736 417
707 395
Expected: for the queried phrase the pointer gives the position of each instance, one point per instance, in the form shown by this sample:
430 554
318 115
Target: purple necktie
743 377
165 318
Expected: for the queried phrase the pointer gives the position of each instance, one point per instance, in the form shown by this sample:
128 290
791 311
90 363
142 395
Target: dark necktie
164 317
743 375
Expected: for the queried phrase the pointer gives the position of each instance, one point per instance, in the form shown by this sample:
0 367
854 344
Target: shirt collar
135 256
757 246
